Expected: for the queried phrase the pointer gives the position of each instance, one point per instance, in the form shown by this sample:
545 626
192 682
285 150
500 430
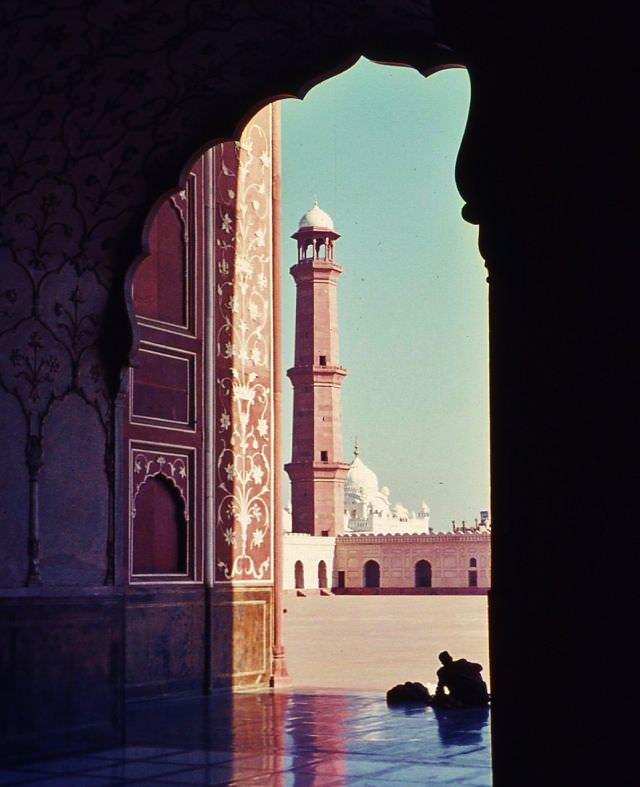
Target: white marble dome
361 478
316 217
367 508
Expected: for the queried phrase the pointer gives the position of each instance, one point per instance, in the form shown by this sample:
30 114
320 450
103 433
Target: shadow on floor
299 739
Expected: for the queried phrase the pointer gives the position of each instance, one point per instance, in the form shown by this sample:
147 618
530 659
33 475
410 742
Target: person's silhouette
462 680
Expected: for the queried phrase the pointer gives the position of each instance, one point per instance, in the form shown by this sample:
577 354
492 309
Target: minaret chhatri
316 470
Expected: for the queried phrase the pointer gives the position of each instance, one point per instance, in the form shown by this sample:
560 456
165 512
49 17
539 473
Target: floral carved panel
243 355
103 105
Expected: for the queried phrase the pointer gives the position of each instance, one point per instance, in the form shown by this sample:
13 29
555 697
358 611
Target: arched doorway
322 575
423 574
299 575
160 529
473 573
371 572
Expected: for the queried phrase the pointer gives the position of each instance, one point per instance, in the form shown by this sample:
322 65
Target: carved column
242 374
279 671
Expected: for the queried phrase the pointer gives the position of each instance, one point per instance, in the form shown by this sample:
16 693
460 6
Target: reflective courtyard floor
302 739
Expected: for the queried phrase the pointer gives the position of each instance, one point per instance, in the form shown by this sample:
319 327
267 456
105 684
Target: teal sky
378 145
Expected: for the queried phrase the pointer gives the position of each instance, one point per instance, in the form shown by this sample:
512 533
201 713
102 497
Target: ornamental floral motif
243 350
34 365
173 467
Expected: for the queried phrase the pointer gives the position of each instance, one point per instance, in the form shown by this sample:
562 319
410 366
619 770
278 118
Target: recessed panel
160 284
162 387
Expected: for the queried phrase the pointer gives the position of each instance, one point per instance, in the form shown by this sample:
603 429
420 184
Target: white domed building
367 508
384 548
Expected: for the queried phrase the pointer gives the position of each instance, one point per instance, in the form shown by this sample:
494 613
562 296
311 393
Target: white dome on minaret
317 218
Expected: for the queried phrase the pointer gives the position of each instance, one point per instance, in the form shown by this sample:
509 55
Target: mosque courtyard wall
309 552
444 563
454 563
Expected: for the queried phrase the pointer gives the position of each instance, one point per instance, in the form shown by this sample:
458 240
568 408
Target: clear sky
377 145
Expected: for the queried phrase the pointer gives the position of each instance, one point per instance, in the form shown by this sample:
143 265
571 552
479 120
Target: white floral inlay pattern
243 353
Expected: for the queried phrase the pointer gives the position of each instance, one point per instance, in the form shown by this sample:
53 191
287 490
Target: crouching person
463 681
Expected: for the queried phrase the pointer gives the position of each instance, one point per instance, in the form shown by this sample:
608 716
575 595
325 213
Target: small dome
400 510
316 217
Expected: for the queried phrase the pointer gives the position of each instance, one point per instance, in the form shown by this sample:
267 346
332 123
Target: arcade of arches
107 109
437 563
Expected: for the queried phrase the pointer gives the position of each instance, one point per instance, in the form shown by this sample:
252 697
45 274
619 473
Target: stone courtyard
369 643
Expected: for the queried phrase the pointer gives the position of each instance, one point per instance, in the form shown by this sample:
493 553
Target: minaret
316 470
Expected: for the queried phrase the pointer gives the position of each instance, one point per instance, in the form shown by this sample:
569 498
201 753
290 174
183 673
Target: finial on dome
356 450
316 218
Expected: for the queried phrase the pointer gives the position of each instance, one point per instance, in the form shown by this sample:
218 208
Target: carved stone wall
449 559
64 659
202 385
243 375
165 648
103 105
72 552
165 414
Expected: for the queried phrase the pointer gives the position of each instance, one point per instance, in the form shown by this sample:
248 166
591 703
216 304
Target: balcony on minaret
316 249
316 237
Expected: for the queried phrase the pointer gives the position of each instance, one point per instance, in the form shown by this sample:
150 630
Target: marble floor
302 739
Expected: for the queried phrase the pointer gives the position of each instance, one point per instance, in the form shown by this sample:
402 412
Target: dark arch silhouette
371 574
429 61
473 573
299 574
423 574
522 173
322 575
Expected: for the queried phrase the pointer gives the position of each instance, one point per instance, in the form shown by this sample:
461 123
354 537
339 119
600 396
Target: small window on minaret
323 360
324 456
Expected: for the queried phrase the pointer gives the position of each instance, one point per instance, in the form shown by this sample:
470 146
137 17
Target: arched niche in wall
371 574
423 574
159 529
299 574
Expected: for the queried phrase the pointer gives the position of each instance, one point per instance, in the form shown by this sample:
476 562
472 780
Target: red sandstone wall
397 556
203 382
